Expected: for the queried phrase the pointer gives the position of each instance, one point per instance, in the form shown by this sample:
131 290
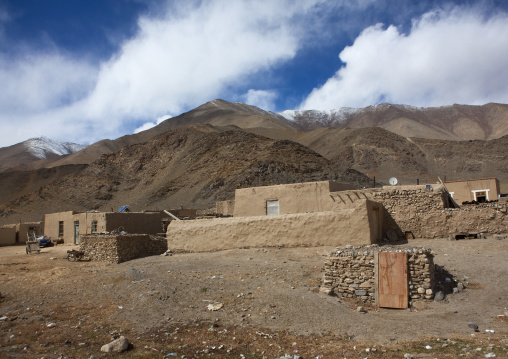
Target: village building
479 190
70 225
293 198
8 235
301 214
20 232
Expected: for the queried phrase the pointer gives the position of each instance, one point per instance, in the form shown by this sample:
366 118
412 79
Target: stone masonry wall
352 272
425 212
122 247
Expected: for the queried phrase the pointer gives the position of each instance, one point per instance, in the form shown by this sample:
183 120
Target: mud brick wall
122 247
426 213
352 272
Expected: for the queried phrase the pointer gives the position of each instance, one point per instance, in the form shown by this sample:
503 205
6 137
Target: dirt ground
271 306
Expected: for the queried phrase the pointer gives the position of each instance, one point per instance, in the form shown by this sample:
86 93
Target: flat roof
472 180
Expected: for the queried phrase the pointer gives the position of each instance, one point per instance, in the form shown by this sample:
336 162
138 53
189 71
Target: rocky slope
378 152
35 153
457 122
191 167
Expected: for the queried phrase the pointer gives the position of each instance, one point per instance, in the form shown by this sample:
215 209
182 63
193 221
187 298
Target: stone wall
426 213
352 272
120 248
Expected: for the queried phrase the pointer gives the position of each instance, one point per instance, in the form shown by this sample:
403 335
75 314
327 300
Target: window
94 226
60 229
272 208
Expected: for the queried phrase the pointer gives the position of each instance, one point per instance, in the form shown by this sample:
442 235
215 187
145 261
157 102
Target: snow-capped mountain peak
41 147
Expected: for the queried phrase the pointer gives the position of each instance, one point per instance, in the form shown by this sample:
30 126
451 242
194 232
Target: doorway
76 232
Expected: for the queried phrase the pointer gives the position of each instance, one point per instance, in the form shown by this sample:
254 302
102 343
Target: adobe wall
51 225
346 226
85 222
135 222
462 190
293 198
352 272
7 236
112 248
226 208
22 229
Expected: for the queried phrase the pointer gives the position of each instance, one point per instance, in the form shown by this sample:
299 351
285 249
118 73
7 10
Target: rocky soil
266 303
190 167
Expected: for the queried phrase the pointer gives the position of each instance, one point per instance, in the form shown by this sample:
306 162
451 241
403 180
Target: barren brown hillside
456 123
191 167
380 153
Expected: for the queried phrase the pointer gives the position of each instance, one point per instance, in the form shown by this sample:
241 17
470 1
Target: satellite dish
392 181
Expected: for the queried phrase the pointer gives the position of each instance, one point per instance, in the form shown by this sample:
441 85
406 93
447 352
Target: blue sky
85 70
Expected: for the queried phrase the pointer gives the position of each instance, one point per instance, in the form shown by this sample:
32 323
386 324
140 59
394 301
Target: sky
85 70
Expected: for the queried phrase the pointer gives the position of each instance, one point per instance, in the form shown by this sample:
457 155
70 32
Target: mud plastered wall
122 247
425 213
347 226
352 273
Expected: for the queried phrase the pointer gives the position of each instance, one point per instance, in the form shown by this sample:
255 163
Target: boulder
116 346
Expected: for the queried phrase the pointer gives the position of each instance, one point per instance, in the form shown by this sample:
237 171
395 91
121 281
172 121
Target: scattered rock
116 346
361 310
214 307
473 326
51 325
439 296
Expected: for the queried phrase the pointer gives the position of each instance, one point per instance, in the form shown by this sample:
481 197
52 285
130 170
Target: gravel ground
265 294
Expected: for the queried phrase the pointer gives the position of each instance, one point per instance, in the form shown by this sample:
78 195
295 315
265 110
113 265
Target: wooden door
76 232
392 280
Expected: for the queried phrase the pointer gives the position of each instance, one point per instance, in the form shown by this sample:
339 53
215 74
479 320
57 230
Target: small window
94 226
272 208
60 229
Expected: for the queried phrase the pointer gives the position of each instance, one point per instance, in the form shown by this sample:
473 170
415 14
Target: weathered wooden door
392 275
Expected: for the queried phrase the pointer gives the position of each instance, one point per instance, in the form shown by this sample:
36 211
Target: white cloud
149 125
187 55
264 99
448 57
190 56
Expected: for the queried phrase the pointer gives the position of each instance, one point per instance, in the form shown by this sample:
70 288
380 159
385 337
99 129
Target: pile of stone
351 272
118 248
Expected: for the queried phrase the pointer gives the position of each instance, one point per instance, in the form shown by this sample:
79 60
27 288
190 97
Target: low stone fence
118 248
352 272
426 213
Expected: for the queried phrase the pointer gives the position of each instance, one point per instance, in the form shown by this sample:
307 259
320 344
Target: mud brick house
330 213
28 228
7 235
479 190
70 225
301 214
18 233
287 199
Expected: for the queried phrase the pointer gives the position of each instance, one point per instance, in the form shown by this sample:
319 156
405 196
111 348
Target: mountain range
202 156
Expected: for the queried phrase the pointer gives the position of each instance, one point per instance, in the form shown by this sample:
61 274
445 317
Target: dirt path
261 290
